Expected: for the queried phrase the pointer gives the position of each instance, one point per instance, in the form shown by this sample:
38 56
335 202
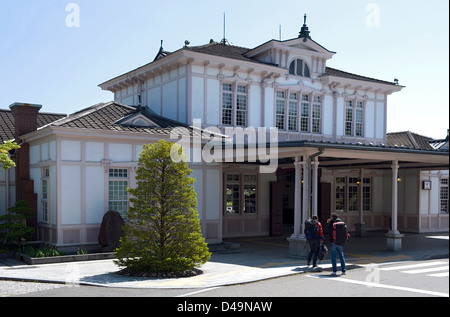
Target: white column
306 190
297 197
361 197
315 185
394 238
394 222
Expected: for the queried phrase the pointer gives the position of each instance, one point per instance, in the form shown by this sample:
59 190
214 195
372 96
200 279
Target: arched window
299 67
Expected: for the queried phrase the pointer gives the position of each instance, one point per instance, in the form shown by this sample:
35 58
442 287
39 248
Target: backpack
311 230
340 233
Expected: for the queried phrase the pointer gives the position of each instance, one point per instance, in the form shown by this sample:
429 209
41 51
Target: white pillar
306 191
297 241
394 238
361 197
297 197
315 186
394 223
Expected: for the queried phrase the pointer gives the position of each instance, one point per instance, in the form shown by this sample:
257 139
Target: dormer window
299 67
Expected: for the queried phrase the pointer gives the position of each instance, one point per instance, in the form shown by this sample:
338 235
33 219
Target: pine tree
163 232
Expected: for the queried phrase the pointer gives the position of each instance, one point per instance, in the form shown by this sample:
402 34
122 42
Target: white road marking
379 285
411 266
432 269
439 274
197 292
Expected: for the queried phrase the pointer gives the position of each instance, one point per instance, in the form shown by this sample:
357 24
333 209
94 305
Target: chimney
25 118
25 121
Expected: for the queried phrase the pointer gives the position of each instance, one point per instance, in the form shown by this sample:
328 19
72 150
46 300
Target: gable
138 120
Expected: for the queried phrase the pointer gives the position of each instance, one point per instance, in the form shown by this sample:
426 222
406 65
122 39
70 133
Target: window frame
443 195
303 71
234 108
117 177
298 111
244 182
347 193
45 197
354 115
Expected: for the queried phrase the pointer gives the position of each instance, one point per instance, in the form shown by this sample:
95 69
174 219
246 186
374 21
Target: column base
360 229
298 247
394 240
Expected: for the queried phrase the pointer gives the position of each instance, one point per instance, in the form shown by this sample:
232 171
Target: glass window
117 191
44 195
233 194
354 118
352 194
44 201
340 194
443 195
304 120
250 194
367 194
280 114
293 116
316 118
241 193
234 105
300 68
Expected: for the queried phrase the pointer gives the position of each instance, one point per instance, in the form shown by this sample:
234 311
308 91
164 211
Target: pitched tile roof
409 139
111 116
237 52
7 122
339 73
218 49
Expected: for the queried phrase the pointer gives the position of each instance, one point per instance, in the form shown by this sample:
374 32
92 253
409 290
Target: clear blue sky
44 61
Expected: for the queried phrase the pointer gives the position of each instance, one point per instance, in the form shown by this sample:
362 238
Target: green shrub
163 230
13 226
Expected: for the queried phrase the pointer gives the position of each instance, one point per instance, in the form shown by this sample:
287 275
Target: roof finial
161 53
304 32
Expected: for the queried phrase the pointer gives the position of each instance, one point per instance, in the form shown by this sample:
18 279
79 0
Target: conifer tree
163 232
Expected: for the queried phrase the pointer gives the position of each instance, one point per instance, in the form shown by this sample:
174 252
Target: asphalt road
401 279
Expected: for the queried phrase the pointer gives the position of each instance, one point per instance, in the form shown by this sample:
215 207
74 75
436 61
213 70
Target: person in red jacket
314 234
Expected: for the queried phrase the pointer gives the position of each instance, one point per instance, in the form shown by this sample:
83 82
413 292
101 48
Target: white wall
95 194
70 195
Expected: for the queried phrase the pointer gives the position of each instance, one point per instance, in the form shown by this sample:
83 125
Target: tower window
299 67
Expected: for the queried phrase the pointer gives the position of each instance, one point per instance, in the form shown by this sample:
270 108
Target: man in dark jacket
314 237
334 247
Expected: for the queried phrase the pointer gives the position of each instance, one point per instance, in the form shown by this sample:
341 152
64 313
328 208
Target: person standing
314 234
337 232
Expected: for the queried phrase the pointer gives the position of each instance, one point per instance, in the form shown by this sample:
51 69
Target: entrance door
276 208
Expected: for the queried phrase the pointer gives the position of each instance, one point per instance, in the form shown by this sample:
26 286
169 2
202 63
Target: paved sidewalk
256 259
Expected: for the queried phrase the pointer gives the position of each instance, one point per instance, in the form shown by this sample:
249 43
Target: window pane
242 89
232 203
226 87
250 198
292 68
299 67
118 196
306 71
227 108
280 112
353 198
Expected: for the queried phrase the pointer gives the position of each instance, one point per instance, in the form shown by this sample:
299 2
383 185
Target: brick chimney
25 121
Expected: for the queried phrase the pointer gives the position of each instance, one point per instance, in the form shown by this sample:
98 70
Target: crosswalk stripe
411 266
439 274
433 269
